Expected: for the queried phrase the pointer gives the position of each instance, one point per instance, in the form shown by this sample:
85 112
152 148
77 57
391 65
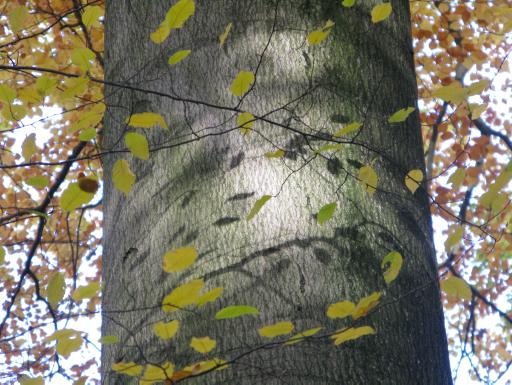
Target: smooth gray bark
283 261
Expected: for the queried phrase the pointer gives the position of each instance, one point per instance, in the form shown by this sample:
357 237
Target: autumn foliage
52 105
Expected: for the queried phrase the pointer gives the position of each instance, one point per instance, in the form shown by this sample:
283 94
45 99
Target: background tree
314 133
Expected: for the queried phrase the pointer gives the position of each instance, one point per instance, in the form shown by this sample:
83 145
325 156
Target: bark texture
282 261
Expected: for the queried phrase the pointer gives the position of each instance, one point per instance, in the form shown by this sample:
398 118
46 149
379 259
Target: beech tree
267 179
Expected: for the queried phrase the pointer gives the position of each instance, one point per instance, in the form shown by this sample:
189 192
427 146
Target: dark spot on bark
236 160
322 255
187 198
192 236
270 250
282 265
226 221
339 118
355 163
174 236
334 165
239 197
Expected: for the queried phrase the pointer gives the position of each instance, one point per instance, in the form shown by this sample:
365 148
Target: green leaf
87 134
18 18
45 85
91 16
326 213
74 197
329 147
257 206
236 311
2 255
179 56
122 176
401 115
7 94
38 182
137 144
395 261
82 58
31 380
348 3
242 83
28 147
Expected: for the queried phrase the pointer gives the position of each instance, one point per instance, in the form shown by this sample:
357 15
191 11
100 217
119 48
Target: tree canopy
52 106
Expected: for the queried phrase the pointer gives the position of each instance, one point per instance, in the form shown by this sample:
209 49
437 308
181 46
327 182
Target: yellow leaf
457 288
179 259
122 176
31 380
210 296
300 336
319 35
257 206
202 345
347 129
245 121
203 366
74 197
81 381
179 56
56 289
401 115
7 94
275 154
38 182
18 18
87 134
242 83
157 373
340 309
137 144
166 330
381 12
454 239
368 178
175 18
109 340
276 329
146 120
82 58
366 304
224 36
413 180
395 261
477 110
28 147
87 291
90 118
91 16
477 88
186 294
454 92
128 368
352 334
74 87
2 255
69 344
457 178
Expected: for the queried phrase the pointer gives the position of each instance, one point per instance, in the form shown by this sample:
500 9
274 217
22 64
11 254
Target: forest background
51 96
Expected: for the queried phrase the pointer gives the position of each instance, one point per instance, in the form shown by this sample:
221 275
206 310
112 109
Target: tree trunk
204 176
